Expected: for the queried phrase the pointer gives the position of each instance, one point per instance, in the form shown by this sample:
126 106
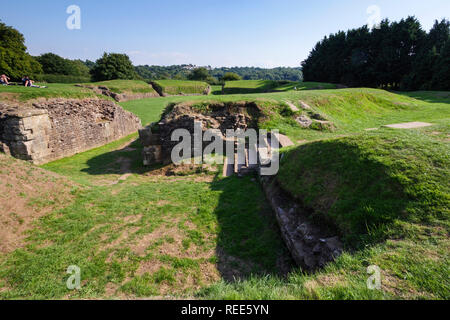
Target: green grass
352 110
180 87
262 86
304 86
388 195
367 183
54 90
197 235
145 236
70 91
125 86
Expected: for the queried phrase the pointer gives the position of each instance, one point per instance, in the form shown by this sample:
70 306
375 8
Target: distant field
180 87
261 86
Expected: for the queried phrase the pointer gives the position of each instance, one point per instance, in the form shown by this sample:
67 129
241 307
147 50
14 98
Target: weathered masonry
58 128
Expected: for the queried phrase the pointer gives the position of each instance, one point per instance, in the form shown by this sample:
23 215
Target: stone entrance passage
242 116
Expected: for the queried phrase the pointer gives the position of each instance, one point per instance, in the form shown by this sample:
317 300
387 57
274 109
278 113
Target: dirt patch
9 96
321 281
409 125
26 194
184 170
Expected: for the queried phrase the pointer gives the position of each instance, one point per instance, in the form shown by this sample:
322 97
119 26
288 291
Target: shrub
113 66
60 78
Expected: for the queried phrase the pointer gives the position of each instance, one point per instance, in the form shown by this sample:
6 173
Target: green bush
113 66
59 78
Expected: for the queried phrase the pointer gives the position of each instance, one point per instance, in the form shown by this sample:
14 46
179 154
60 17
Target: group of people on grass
26 81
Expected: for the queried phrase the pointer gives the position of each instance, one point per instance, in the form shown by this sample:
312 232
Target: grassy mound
387 193
125 86
54 90
367 185
261 86
351 110
180 87
26 193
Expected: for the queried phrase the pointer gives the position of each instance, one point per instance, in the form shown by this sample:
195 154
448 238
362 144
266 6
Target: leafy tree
200 74
54 64
14 59
441 76
182 72
397 55
113 66
231 76
90 64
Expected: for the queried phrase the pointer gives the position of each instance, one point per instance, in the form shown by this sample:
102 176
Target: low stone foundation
156 138
312 246
120 97
59 128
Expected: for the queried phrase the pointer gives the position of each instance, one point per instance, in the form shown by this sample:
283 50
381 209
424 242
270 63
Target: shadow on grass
264 89
125 160
428 96
249 242
362 190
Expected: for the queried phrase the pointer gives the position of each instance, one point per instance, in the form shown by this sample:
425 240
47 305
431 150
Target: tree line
396 55
16 63
183 72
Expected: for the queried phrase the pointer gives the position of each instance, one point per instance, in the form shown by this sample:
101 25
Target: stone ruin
119 97
311 246
156 138
58 128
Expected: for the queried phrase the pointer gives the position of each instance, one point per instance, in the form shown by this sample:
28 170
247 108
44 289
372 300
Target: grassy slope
177 87
58 90
125 86
352 110
261 86
54 90
369 185
388 193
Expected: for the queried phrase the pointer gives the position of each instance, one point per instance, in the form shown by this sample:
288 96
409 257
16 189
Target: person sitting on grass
27 82
4 80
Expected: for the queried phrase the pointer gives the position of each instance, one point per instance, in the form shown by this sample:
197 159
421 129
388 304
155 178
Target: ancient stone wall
222 116
58 128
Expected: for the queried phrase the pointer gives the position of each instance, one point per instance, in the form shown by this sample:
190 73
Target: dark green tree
231 76
397 55
54 64
200 74
113 66
14 59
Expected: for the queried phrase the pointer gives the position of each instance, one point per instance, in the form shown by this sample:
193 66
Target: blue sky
265 33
